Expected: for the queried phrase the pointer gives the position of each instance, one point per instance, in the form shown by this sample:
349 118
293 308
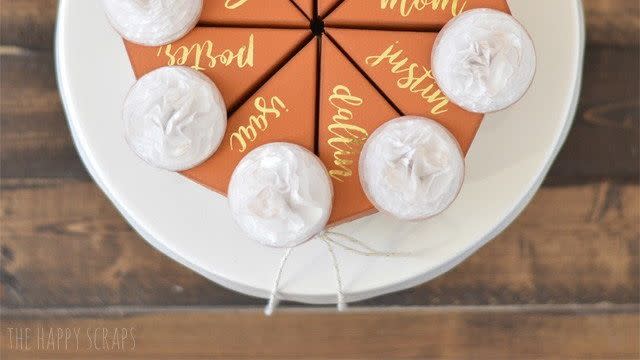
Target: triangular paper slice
237 60
281 110
265 13
350 110
399 63
324 6
306 6
403 14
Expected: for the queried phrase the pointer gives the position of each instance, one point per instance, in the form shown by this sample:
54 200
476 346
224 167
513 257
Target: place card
350 110
399 62
282 110
237 60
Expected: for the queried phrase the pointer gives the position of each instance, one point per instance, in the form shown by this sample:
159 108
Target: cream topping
411 168
281 195
484 60
153 22
175 118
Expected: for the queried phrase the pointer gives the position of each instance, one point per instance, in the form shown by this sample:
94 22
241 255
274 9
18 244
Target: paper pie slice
403 14
350 109
264 13
237 60
324 6
283 109
399 62
306 6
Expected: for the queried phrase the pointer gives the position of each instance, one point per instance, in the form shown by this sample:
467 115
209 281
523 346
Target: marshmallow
153 22
411 168
281 195
175 118
484 60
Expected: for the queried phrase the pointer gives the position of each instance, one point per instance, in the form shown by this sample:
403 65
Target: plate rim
351 296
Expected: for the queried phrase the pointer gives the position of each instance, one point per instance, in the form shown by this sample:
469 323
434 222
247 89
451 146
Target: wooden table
561 282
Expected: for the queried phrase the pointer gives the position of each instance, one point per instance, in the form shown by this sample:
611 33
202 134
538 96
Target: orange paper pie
285 77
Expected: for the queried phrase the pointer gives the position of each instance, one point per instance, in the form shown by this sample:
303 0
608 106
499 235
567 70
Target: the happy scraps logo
69 339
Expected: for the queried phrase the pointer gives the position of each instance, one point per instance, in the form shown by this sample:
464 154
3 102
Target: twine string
330 238
342 305
334 237
273 298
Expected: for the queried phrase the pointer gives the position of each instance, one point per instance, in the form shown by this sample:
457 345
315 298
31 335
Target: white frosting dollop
484 60
281 195
411 168
153 22
175 118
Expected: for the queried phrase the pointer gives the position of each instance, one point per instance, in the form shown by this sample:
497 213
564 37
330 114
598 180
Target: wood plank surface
575 244
28 24
439 333
613 22
561 282
597 172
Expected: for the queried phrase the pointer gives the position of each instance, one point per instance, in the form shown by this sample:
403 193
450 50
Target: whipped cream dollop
153 22
411 168
175 118
281 195
484 60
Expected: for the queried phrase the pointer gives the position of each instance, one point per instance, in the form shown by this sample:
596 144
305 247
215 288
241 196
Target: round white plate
510 157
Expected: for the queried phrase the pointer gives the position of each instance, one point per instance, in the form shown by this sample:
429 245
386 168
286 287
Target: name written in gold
407 7
415 78
267 110
204 55
348 137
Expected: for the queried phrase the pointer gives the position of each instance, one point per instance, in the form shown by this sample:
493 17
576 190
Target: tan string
273 298
368 251
342 305
329 238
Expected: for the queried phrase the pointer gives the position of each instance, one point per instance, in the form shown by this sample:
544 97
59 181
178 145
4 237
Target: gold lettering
234 4
346 136
406 7
201 56
257 123
415 78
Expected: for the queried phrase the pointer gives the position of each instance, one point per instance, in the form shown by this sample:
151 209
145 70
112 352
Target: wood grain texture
28 24
575 244
410 334
35 141
603 142
562 282
52 211
613 22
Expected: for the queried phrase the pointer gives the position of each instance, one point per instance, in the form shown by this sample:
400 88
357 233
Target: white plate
506 165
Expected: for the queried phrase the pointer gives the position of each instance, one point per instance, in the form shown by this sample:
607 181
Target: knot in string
330 238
